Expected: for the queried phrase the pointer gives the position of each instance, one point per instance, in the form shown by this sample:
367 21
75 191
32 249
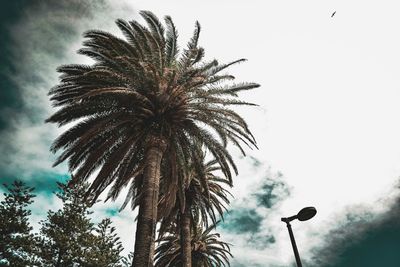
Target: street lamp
303 215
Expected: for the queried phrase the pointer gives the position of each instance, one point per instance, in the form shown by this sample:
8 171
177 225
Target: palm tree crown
207 204
137 89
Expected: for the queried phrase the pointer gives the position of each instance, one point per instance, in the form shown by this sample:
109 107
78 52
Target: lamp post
303 215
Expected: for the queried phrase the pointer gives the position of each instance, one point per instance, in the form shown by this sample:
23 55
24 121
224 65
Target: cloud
9 97
243 221
272 191
45 35
252 225
361 236
247 218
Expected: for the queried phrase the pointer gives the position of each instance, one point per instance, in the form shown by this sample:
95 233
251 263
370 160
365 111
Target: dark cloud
247 220
14 48
363 240
247 223
41 41
36 37
272 191
10 12
243 221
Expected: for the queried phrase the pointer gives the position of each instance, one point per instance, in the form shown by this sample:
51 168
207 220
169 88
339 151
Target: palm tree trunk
147 218
59 257
186 239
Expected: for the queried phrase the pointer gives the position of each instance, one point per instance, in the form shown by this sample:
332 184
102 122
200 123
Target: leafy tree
142 105
69 238
67 233
16 238
107 247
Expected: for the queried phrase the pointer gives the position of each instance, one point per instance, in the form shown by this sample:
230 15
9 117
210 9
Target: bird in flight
333 14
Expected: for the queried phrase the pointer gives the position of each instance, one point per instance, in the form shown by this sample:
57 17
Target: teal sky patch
112 212
43 182
271 191
242 221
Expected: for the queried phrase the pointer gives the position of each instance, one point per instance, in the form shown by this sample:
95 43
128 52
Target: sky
327 124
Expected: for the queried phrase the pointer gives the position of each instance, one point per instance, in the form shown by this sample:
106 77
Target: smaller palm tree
207 250
204 198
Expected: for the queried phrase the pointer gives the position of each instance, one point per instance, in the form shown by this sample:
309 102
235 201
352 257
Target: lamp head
303 215
306 213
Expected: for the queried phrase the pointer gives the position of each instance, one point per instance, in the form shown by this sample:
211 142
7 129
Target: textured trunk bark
147 218
186 239
58 264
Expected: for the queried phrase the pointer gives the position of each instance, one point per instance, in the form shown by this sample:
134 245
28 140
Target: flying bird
333 14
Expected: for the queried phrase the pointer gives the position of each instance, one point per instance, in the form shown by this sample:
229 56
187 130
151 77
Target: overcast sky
327 124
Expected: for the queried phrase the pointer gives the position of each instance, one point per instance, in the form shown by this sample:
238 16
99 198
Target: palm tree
198 203
206 249
140 106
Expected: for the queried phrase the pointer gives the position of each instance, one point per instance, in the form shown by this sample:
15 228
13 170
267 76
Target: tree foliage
16 239
67 233
69 238
107 246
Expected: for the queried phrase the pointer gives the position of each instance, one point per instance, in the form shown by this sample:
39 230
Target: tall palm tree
142 105
206 249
